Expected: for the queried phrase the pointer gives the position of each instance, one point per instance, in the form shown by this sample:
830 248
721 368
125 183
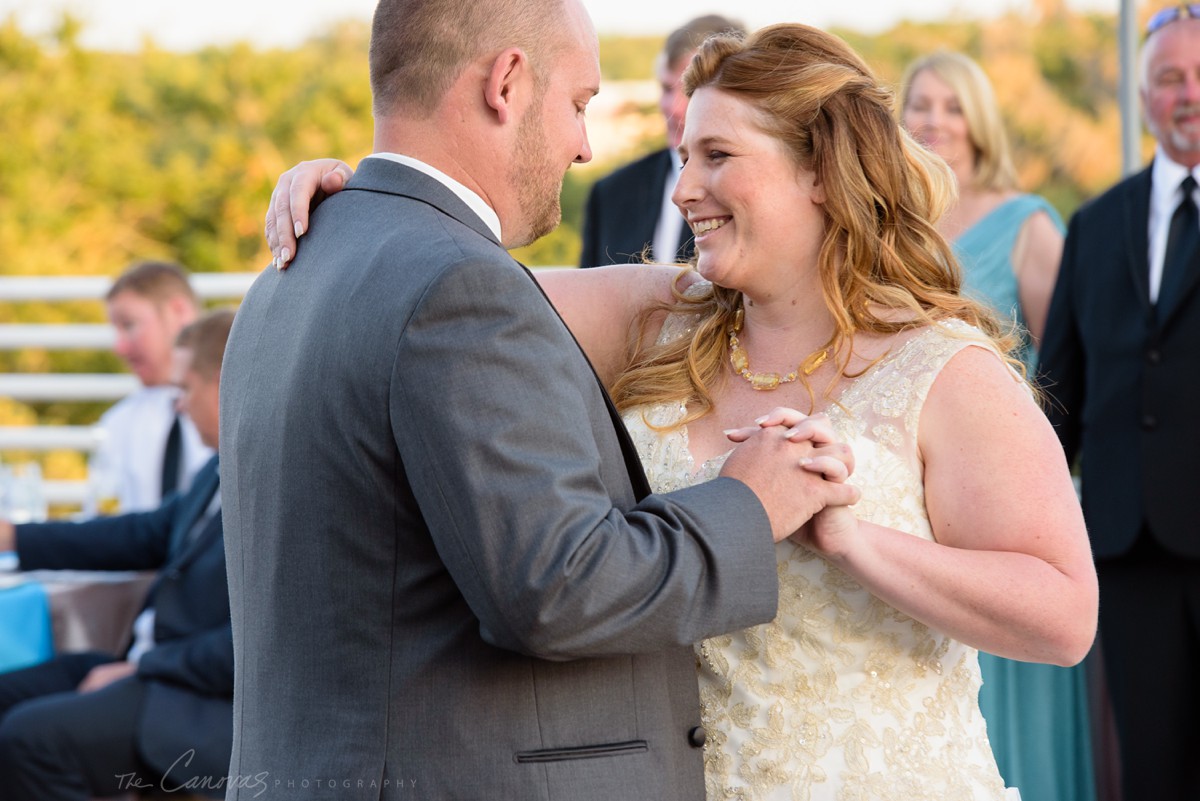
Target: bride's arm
1011 569
600 305
603 306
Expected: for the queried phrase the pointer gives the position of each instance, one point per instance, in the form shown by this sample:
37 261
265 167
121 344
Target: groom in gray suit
447 576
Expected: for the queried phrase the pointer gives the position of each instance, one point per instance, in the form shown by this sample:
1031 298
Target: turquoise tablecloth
25 635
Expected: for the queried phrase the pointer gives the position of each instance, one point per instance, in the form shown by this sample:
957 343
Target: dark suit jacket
1123 378
441 572
189 672
622 213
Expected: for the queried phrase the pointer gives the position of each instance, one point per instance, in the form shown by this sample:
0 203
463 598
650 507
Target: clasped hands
810 505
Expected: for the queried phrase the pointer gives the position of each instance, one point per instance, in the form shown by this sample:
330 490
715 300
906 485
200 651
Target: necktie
171 454
1182 239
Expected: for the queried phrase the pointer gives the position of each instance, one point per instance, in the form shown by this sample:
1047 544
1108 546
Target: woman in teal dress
1009 245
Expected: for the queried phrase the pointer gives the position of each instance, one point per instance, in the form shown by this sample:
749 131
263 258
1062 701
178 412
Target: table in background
47 612
25 632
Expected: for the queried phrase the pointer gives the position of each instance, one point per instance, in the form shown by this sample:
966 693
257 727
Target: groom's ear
509 84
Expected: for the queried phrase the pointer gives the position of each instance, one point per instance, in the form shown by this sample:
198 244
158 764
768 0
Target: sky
189 24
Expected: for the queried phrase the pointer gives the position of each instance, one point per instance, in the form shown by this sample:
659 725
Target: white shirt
131 453
1165 196
482 210
665 247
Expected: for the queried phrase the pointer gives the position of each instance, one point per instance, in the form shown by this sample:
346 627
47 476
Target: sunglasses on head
1168 15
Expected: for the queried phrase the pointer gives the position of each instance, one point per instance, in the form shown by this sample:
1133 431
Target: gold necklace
764 382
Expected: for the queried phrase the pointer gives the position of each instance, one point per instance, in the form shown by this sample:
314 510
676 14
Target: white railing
56 337
78 386
74 287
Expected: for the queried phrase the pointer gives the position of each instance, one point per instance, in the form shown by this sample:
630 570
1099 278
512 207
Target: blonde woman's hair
881 253
994 168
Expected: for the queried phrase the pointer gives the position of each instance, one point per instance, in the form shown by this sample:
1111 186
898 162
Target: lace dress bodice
841 697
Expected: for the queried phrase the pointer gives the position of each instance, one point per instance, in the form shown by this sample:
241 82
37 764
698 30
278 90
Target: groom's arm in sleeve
509 454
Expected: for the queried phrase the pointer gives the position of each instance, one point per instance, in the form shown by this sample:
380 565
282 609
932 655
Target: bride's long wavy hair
881 254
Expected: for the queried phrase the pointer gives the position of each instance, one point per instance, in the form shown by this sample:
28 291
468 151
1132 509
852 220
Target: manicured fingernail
299 228
760 420
285 256
805 462
275 263
729 431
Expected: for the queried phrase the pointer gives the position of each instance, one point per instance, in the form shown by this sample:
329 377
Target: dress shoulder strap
680 324
889 397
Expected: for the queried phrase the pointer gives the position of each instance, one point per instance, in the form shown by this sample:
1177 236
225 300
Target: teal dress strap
985 252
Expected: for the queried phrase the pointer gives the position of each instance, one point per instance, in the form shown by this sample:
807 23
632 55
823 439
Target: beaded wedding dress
841 697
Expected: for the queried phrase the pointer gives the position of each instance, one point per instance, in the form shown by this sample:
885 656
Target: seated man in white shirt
147 450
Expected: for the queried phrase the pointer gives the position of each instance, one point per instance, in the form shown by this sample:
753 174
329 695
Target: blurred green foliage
107 158
629 58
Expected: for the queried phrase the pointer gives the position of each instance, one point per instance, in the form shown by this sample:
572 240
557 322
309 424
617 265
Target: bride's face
756 215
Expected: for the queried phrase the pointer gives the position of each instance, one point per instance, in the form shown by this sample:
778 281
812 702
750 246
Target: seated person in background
88 725
148 450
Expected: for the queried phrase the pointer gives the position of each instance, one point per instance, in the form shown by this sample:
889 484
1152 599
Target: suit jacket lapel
1137 237
196 503
182 552
687 242
633 464
1190 279
198 544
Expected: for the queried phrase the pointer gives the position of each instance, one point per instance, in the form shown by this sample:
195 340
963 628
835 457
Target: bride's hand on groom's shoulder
296 192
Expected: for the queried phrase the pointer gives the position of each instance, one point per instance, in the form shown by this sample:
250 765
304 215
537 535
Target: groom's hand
779 470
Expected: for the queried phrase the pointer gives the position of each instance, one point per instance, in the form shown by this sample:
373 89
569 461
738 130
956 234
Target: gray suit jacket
440 576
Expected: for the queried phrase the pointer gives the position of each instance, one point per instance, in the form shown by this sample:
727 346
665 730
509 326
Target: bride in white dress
822 286
826 290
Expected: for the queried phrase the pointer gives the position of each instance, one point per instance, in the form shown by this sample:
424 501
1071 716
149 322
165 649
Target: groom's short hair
420 47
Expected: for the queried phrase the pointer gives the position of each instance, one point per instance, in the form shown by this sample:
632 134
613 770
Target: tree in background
108 158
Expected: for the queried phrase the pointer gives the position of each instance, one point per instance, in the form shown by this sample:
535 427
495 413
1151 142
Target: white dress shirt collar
1166 177
473 201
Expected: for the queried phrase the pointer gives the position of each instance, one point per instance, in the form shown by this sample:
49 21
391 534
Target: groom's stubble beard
538 180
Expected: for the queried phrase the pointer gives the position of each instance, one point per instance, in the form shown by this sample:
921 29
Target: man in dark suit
447 575
1121 364
629 213
95 724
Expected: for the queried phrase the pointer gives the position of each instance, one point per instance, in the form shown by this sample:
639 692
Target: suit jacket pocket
581 752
